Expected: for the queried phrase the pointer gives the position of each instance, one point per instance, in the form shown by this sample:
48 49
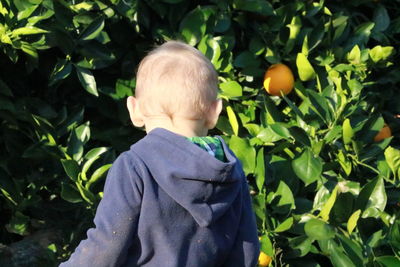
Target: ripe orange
385 132
264 259
277 78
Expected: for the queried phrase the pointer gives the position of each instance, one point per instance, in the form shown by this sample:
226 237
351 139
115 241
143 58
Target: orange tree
324 192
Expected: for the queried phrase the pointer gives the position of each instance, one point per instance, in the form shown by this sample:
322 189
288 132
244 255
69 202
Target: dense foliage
325 193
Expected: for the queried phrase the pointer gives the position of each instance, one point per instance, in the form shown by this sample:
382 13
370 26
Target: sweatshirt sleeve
115 220
246 249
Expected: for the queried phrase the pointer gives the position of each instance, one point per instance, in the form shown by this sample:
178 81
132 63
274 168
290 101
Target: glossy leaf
392 157
233 120
93 29
98 174
348 132
27 31
324 214
352 223
260 169
284 226
318 230
87 80
372 198
231 89
245 152
70 193
307 167
71 168
305 69
285 198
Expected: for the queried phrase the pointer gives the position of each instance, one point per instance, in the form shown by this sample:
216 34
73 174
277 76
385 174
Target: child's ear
134 111
213 115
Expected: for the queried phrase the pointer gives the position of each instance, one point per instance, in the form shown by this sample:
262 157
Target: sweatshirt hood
205 186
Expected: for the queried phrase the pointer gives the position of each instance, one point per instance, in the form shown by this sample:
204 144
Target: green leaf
394 235
258 6
318 230
301 246
354 56
232 120
260 170
246 59
339 258
194 25
348 132
71 168
272 113
305 69
231 89
307 167
370 129
256 46
280 129
381 19
29 50
388 261
285 198
61 71
294 30
29 30
70 193
300 136
83 132
259 209
224 125
355 87
372 198
92 30
87 80
379 53
293 107
375 239
352 222
267 135
392 157
98 174
86 194
266 246
245 152
91 157
353 249
344 162
319 105
284 226
324 214
95 152
78 137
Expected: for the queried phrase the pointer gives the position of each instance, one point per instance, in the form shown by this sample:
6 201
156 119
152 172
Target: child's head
175 80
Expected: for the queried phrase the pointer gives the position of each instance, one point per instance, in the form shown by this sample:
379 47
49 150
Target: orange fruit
277 78
264 259
385 132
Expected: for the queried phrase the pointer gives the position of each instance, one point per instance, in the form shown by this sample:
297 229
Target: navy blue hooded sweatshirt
167 202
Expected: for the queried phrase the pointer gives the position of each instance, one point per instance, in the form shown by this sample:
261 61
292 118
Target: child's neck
178 125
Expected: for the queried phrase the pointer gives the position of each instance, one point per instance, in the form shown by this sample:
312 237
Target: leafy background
324 193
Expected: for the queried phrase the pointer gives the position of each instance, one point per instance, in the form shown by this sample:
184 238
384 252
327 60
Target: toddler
178 197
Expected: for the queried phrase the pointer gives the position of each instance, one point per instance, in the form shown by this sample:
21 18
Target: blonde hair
176 79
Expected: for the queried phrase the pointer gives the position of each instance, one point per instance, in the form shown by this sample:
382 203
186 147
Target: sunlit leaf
87 80
307 167
304 68
319 230
352 223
